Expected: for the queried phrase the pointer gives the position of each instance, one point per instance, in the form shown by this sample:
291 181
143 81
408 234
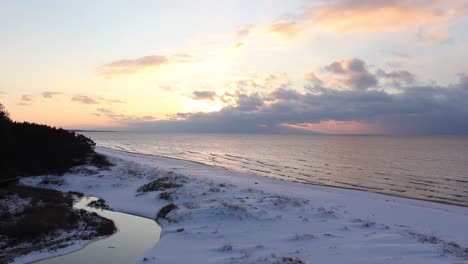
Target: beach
214 215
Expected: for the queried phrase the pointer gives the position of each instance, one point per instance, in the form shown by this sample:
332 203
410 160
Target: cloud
349 73
363 16
244 31
313 78
130 66
429 110
284 28
354 74
397 59
336 127
239 45
203 95
48 95
138 65
167 88
182 57
84 99
26 99
344 16
249 103
463 83
122 117
415 109
255 82
237 91
433 37
397 78
111 101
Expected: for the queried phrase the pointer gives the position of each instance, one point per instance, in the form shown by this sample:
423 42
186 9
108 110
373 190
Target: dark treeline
33 149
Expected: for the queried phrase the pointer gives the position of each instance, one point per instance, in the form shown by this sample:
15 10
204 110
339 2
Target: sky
238 66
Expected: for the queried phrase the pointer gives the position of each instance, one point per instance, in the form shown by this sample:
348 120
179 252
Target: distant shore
213 215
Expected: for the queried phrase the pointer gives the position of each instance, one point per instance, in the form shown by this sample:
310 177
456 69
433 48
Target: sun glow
204 106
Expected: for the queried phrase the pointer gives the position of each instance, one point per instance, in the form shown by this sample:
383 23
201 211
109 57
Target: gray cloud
353 74
418 109
84 99
415 109
122 117
249 103
203 95
345 74
463 84
397 78
47 94
26 99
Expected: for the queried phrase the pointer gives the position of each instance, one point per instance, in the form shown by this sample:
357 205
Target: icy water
135 235
430 168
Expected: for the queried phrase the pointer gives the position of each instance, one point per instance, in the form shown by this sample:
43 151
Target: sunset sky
327 66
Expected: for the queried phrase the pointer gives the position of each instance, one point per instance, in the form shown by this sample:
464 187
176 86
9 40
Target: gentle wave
429 168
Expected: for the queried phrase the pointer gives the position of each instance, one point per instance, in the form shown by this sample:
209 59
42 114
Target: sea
433 168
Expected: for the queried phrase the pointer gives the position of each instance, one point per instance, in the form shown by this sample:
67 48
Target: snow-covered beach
221 216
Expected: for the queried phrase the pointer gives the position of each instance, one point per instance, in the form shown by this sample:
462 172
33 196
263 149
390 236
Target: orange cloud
129 66
312 77
166 88
85 99
285 29
365 16
142 64
358 16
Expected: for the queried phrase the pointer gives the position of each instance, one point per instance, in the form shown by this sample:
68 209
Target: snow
44 254
228 217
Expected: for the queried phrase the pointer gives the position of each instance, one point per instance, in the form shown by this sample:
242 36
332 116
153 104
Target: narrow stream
135 235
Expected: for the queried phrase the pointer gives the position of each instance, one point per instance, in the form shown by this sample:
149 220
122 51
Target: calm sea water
430 168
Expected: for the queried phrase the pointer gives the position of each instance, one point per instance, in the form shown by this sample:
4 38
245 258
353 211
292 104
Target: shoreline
224 216
284 179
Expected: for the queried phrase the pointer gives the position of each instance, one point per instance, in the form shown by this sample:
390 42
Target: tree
34 149
4 115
